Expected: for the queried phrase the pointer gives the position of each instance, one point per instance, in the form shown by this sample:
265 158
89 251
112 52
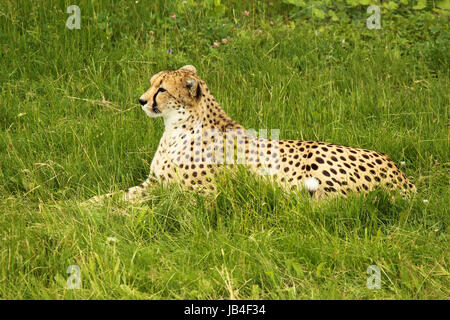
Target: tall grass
71 128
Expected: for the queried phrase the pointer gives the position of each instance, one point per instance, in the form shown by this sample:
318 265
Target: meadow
71 128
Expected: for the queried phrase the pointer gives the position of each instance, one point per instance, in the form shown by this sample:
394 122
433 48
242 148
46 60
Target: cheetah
200 139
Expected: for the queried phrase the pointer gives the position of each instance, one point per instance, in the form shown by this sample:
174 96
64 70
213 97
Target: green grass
71 128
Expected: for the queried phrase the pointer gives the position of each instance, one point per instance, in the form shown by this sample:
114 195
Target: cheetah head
171 92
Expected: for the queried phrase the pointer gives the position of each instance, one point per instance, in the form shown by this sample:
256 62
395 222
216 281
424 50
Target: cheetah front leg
137 193
134 194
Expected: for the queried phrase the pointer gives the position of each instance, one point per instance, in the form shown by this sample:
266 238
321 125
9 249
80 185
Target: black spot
367 178
319 160
314 166
362 168
326 173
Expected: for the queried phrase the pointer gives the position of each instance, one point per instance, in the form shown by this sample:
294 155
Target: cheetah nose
142 102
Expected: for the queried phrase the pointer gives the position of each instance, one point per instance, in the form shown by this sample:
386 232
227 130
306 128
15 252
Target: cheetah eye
162 90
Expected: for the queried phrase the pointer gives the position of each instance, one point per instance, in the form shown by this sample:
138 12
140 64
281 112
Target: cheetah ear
189 68
192 86
155 76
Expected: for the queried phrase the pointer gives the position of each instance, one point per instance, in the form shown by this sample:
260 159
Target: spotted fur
199 137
